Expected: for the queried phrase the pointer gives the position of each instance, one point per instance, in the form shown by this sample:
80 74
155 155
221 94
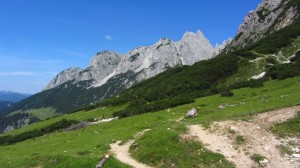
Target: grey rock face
221 47
192 113
62 77
193 47
145 62
270 16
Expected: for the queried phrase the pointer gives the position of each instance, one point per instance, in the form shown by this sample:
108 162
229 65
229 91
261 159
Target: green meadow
159 147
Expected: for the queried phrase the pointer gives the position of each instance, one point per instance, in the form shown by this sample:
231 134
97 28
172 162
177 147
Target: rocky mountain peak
193 46
162 41
66 75
225 43
191 35
142 62
105 58
269 4
270 16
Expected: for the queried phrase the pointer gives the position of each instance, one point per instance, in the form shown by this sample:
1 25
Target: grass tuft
257 157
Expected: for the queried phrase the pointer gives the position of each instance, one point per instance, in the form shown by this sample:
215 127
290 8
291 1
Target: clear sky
39 38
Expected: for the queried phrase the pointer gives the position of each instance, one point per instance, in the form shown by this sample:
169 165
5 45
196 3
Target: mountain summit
270 16
141 63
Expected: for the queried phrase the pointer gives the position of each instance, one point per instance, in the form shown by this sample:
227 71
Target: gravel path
121 152
221 138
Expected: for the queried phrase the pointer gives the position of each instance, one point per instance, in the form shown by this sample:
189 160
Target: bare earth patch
121 152
222 138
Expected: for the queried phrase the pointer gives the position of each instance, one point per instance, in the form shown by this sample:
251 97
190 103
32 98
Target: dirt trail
122 152
221 138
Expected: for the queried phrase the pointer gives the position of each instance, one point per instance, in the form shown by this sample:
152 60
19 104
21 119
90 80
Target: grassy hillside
69 97
179 85
227 71
82 148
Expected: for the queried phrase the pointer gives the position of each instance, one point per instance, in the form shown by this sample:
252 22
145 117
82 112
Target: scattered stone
77 126
222 107
263 162
135 145
192 113
297 150
261 75
258 128
100 164
233 128
103 121
296 155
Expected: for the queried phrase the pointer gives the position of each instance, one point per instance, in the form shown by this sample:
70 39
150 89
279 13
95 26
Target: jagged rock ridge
144 62
270 16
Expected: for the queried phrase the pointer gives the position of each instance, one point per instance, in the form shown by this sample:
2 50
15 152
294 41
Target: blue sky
39 38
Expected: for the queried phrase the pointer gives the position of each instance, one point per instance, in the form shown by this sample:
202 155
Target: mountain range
12 96
140 63
110 73
8 98
175 67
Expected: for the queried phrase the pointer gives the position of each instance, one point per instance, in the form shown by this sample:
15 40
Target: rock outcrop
62 77
270 16
144 62
192 113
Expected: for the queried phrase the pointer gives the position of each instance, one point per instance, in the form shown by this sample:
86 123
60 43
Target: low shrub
257 157
227 94
283 71
252 83
296 57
